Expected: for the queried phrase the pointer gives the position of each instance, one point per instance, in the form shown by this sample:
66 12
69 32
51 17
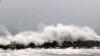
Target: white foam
51 33
50 52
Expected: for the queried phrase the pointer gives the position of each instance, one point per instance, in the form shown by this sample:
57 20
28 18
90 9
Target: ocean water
51 52
49 33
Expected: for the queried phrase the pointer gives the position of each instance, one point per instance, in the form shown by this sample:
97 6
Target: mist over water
50 33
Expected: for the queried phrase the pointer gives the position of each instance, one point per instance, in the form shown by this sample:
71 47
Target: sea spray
52 34
6 38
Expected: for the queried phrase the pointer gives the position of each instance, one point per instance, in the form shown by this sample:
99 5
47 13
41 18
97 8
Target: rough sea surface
51 52
50 33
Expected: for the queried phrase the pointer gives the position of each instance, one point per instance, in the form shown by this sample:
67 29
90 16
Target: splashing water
50 33
5 40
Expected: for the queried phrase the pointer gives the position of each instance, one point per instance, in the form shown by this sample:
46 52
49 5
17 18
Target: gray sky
30 13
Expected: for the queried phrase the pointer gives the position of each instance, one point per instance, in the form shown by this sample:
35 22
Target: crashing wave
52 36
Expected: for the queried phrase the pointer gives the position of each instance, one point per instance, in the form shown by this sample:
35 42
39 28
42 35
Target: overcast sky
30 13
